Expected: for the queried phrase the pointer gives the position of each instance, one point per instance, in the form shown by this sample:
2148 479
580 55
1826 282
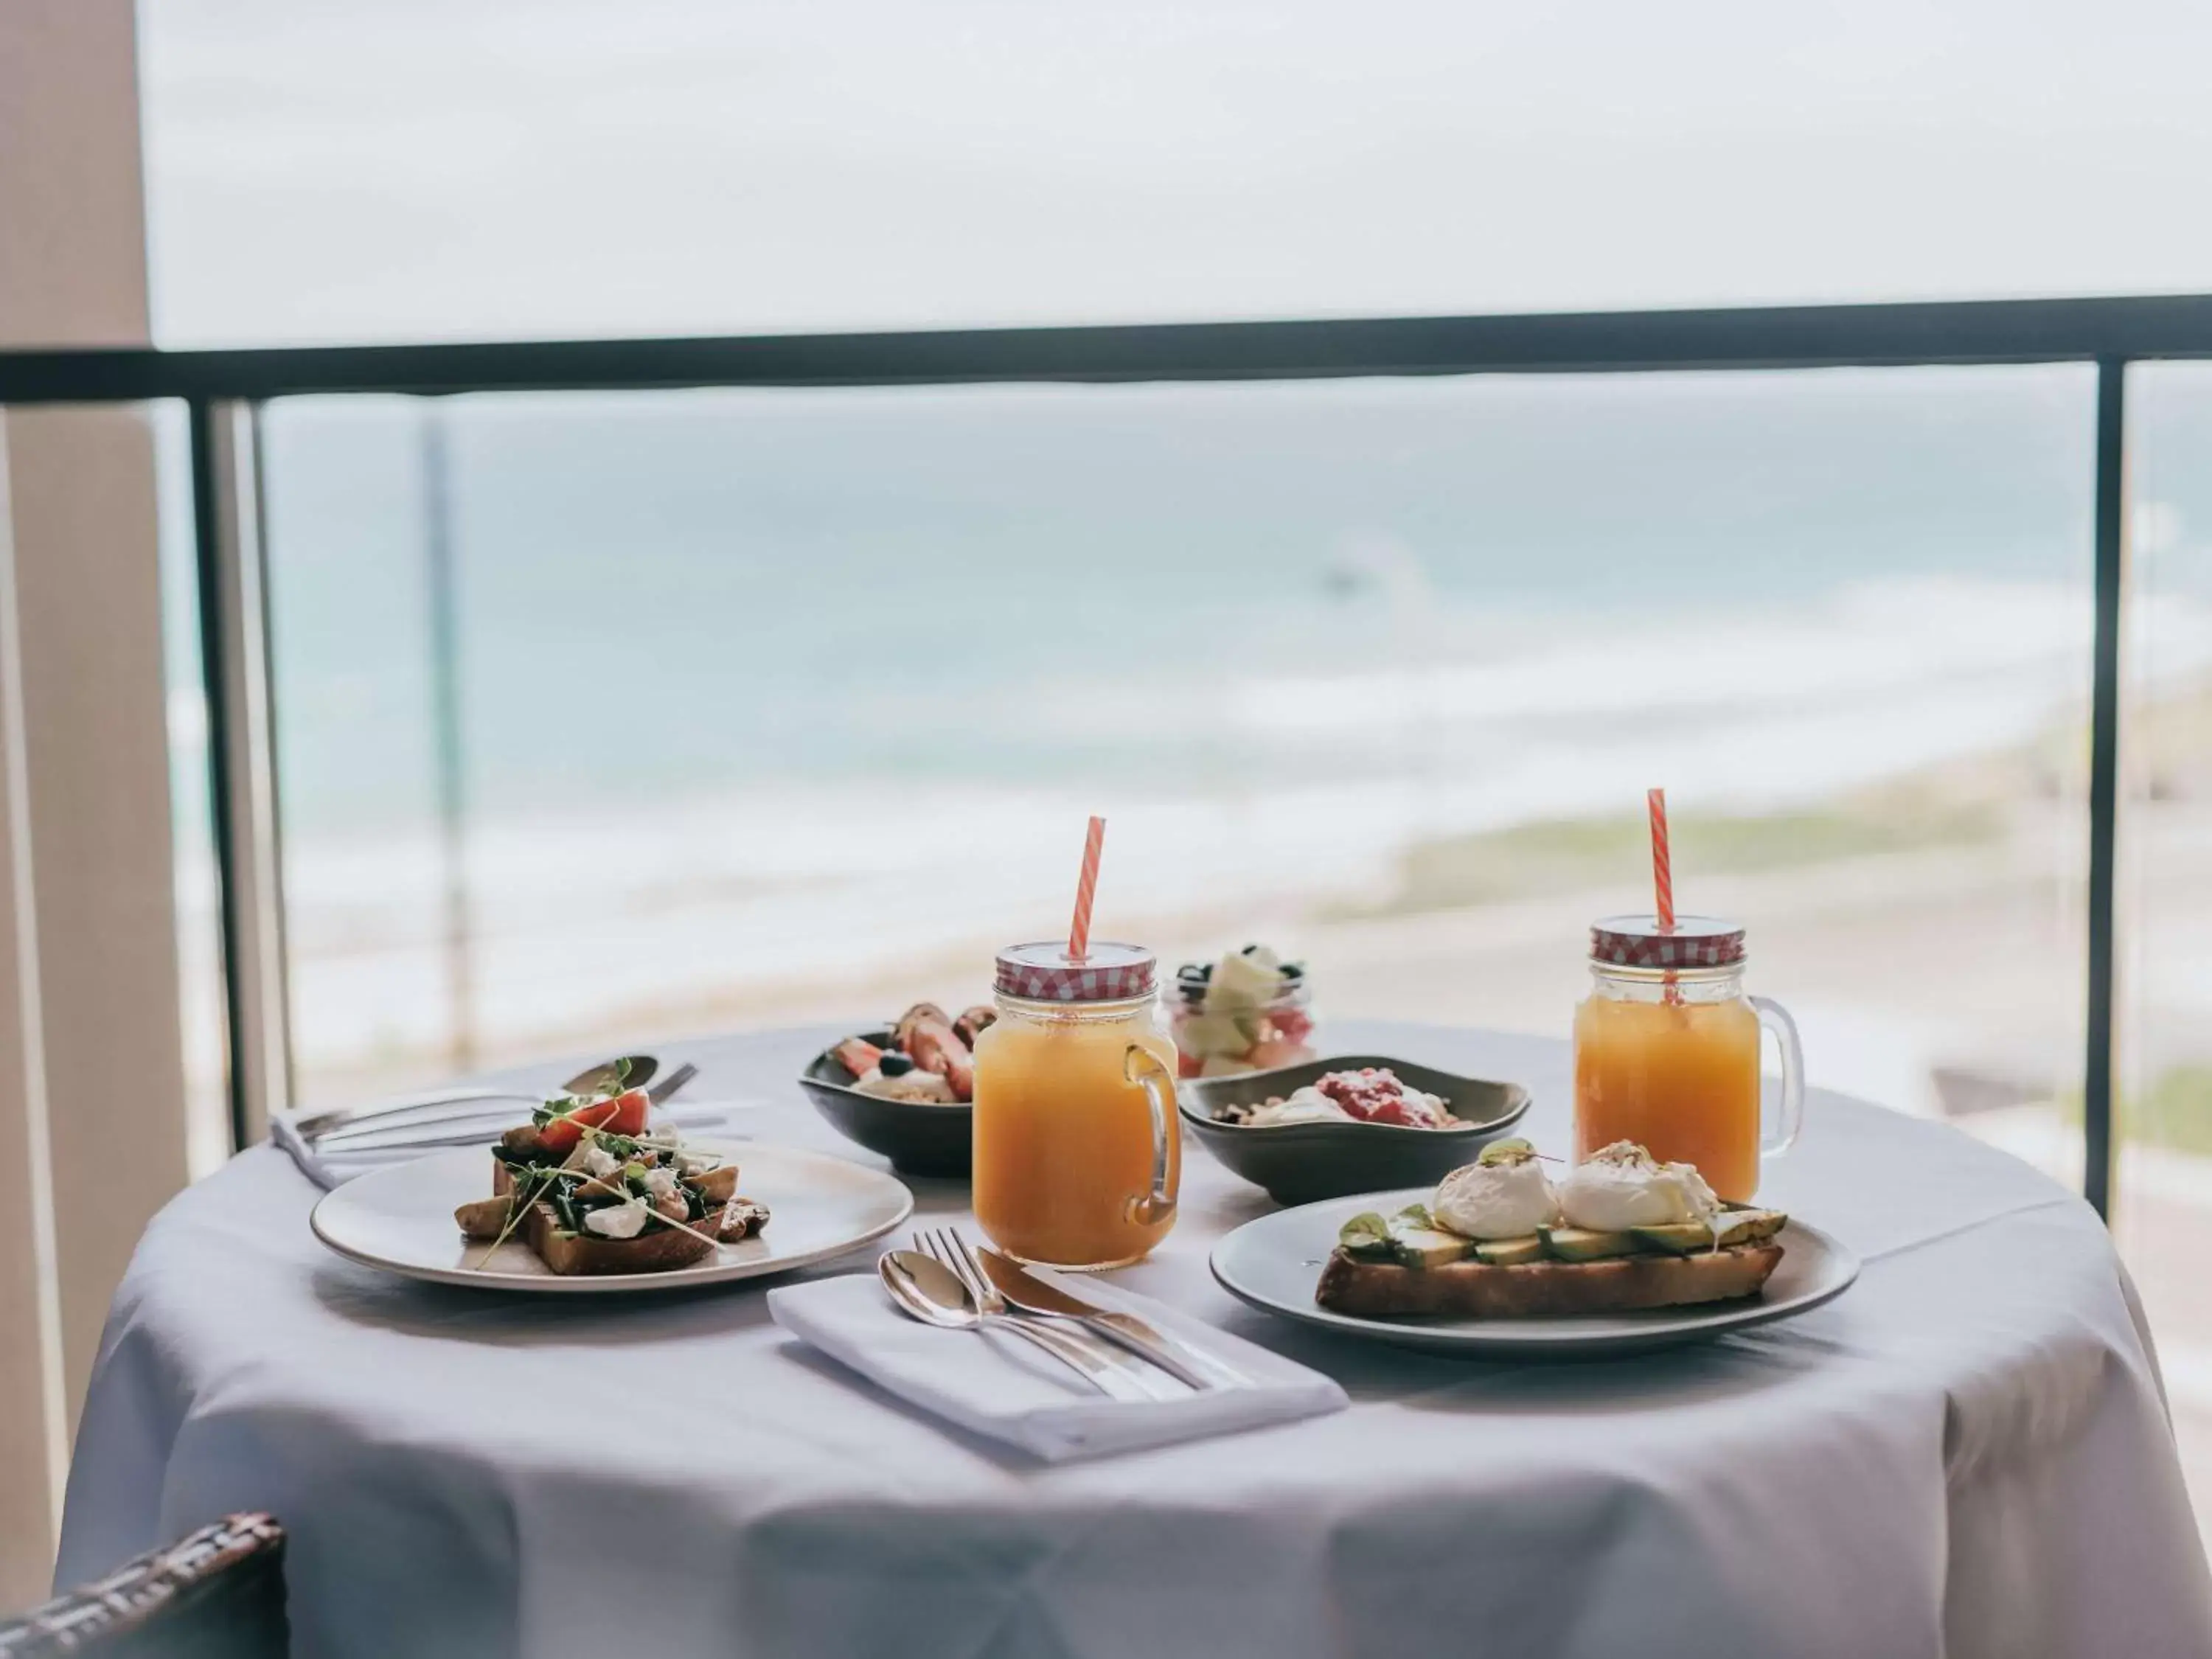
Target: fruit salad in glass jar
1250 1011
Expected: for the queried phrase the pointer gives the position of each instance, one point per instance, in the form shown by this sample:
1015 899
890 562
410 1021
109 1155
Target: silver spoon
928 1290
592 1080
465 1127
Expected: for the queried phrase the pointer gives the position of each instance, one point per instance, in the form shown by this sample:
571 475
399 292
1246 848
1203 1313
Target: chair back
220 1592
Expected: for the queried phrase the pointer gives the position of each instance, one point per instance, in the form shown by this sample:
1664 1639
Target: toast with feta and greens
591 1188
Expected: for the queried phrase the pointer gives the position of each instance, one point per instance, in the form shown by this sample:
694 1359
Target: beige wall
92 1114
33 1391
73 257
87 591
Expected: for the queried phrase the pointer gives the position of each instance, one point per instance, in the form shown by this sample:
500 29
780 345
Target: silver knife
1171 1354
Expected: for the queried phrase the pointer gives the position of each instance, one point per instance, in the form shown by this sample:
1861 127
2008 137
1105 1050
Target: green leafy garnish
1365 1234
562 1105
556 1106
1513 1150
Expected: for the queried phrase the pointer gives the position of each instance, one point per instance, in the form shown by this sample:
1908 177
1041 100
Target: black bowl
1299 1162
918 1137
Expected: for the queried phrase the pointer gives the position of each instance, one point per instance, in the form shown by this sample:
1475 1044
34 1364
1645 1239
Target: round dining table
1967 1454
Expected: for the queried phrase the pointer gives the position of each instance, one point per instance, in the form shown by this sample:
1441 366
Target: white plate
401 1219
1274 1263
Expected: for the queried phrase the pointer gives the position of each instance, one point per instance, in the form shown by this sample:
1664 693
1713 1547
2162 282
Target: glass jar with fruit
1250 1011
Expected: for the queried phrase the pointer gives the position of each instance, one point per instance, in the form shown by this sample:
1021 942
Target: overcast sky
381 169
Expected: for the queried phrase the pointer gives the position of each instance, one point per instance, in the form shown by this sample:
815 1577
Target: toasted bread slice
1477 1289
728 1219
659 1251
654 1252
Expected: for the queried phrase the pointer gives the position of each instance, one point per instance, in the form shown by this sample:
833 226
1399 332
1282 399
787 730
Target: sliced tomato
625 1114
631 1110
560 1135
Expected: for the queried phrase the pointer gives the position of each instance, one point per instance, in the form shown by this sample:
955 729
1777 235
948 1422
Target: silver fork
1130 1381
1157 1383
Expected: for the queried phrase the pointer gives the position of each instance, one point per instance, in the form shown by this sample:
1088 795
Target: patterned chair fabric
219 1592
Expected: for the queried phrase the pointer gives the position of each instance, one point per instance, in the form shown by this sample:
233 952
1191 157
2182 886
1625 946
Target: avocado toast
1404 1266
1496 1244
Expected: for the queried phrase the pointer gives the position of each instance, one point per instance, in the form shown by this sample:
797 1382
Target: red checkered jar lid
1044 972
1696 942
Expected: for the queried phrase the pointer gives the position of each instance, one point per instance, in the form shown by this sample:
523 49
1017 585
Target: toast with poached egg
1498 1240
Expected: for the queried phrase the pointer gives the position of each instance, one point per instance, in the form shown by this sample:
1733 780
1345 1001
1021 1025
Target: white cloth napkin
1007 1389
332 1165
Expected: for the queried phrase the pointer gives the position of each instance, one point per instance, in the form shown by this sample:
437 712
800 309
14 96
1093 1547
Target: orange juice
1077 1156
1666 1051
1682 1080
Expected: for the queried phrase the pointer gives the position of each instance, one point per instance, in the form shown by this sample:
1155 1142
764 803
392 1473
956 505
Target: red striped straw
1086 889
1662 868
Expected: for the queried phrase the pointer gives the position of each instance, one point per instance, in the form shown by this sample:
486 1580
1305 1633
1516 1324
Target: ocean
763 685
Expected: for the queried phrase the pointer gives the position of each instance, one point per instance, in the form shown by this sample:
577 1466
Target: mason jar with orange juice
1666 1051
1077 1155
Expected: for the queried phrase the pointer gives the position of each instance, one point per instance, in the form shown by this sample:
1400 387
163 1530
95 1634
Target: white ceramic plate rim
701 1274
1656 1327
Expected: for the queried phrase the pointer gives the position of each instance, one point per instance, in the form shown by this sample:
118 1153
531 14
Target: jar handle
1791 1113
1141 1067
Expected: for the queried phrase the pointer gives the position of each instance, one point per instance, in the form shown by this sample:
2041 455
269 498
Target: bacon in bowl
903 1090
929 1058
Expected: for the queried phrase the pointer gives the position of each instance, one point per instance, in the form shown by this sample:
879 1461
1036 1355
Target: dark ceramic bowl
1299 1162
919 1139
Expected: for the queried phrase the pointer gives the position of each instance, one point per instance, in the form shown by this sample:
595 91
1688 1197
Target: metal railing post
227 523
443 582
2110 582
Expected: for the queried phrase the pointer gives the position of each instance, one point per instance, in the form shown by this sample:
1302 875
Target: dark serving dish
1300 1162
919 1139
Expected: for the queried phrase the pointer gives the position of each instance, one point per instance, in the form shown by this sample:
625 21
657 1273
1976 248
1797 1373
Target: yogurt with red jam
1373 1094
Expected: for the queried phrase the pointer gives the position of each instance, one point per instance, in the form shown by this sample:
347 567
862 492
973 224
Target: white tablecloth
1966 1454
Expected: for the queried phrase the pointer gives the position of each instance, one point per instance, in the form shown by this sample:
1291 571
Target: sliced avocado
1511 1252
1734 1227
1429 1247
1582 1244
1744 1226
1681 1238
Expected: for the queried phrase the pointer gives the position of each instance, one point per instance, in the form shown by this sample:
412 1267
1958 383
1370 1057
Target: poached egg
1623 1186
1503 1195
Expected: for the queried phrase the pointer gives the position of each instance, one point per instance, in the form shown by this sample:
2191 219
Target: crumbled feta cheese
618 1220
599 1161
